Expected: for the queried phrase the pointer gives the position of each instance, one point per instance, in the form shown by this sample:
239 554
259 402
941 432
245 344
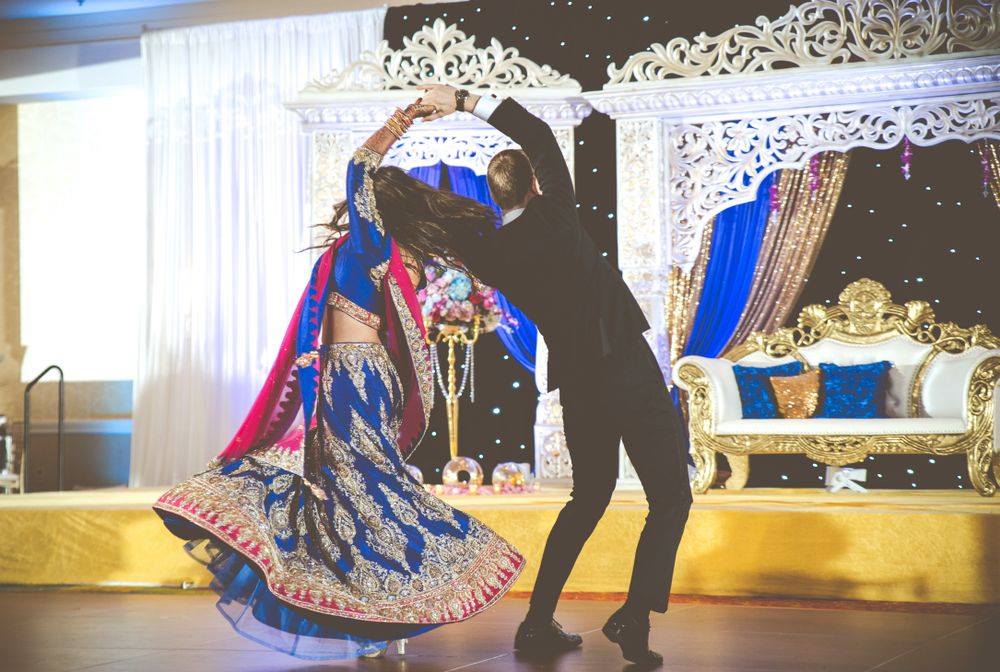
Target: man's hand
442 96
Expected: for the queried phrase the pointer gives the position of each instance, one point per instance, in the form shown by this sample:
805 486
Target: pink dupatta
280 400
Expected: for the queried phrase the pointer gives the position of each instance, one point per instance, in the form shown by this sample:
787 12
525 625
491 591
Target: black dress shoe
632 636
545 638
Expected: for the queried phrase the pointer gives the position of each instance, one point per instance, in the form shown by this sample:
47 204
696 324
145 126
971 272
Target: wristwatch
460 96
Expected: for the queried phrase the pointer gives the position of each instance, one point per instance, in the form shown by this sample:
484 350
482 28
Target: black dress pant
624 399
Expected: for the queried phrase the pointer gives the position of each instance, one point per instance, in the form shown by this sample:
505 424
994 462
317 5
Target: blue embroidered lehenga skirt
335 562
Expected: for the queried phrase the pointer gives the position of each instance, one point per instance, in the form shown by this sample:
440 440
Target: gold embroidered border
419 352
364 198
376 273
287 458
345 305
486 579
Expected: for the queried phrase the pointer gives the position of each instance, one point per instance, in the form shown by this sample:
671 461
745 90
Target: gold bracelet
401 117
394 127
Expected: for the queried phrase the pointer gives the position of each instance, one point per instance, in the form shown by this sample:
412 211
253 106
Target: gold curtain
791 244
683 295
989 154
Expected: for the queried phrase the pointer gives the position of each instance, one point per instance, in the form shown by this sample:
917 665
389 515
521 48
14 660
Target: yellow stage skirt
929 546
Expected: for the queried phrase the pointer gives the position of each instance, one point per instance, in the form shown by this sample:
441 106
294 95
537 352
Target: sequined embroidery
377 272
419 352
379 547
364 198
345 305
284 456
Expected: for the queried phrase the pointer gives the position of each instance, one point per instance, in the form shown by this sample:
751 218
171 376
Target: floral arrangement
452 297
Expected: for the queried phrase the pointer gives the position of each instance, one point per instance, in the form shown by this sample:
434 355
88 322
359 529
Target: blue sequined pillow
854 391
755 388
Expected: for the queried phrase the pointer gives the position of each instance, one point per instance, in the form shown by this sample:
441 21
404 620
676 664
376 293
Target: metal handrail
27 425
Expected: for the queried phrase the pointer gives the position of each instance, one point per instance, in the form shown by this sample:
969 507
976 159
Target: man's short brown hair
510 177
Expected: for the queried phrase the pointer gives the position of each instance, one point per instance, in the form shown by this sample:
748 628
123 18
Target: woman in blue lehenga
321 544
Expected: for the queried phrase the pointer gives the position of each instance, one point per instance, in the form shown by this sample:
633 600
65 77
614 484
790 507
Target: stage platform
70 631
894 546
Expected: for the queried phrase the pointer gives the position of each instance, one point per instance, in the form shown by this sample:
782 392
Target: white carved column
644 232
329 153
551 456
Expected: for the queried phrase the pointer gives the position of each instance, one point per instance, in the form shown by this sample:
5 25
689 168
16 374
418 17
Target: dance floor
891 546
60 631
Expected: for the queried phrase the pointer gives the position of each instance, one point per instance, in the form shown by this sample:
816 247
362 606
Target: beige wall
10 269
84 400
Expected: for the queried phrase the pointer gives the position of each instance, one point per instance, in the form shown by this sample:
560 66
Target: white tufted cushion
843 426
760 359
725 394
904 353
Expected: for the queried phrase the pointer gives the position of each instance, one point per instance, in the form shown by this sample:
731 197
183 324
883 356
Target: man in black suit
611 386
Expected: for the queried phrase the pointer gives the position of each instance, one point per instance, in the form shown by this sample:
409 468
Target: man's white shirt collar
510 216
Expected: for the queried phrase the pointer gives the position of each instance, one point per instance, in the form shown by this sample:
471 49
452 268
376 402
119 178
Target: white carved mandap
339 111
701 122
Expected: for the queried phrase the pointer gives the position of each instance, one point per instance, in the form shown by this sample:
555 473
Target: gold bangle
394 127
402 119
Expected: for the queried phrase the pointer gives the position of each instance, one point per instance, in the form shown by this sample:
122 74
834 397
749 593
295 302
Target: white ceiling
42 23
36 9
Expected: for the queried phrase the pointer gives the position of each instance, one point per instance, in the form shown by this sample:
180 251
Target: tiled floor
112 632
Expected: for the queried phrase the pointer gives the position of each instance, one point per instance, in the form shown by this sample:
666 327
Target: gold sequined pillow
797 396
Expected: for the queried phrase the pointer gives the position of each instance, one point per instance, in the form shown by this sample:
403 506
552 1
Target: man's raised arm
531 133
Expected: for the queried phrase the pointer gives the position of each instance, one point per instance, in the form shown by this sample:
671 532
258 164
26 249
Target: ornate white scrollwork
442 53
720 163
470 150
823 32
331 150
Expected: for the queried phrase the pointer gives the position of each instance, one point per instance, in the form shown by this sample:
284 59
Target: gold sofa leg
739 465
981 468
704 463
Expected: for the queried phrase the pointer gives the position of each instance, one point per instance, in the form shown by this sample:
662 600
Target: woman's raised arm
365 224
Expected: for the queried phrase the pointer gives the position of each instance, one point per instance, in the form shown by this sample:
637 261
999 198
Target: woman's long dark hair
425 222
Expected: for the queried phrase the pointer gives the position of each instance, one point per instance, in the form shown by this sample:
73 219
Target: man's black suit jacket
549 267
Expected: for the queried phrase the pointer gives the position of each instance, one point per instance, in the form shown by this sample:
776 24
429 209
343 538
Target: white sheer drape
226 217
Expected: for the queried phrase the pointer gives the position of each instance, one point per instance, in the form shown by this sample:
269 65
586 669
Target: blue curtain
429 174
465 182
519 335
736 240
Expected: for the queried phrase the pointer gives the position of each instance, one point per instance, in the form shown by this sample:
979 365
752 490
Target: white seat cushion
843 426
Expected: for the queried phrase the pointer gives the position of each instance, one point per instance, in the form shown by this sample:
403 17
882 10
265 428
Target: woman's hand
419 110
442 97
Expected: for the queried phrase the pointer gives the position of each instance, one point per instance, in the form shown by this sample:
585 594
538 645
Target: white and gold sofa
941 397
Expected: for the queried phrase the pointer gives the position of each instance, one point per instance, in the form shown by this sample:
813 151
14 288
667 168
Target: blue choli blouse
363 260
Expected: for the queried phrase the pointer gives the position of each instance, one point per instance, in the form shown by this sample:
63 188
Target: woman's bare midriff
339 327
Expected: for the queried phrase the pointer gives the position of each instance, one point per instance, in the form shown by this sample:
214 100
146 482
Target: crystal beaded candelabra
453 336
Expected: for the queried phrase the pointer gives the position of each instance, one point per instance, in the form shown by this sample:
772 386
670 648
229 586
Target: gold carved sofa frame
865 315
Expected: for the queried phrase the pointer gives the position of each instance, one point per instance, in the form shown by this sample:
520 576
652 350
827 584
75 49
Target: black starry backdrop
581 38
